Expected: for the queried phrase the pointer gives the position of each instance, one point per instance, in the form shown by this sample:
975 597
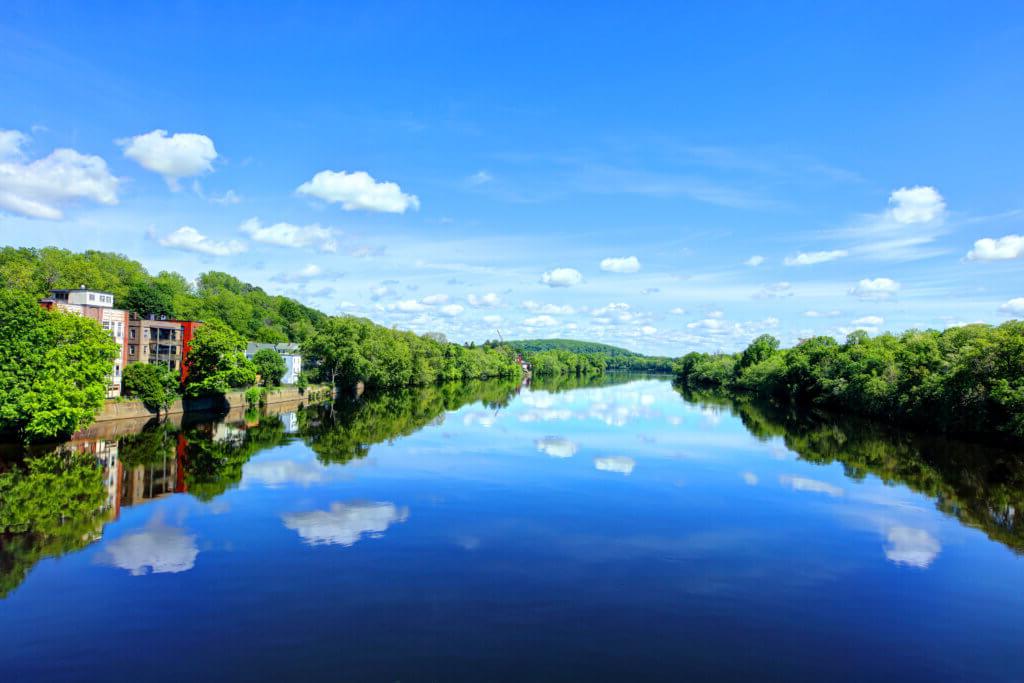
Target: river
606 530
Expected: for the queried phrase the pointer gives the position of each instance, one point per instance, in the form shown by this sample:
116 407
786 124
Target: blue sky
666 178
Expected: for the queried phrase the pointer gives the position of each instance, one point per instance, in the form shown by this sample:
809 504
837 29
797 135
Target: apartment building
160 341
99 306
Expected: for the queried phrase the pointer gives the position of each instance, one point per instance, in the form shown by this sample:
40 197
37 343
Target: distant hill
574 345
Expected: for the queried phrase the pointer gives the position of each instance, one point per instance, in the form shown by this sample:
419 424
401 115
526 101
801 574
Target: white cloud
39 189
408 306
872 320
919 204
550 309
1002 249
451 310
288 235
562 277
435 299
489 300
11 142
1014 306
612 307
716 314
754 261
480 178
878 288
616 463
626 264
358 190
777 290
227 199
157 548
188 238
813 257
914 547
275 473
750 478
823 314
344 524
492 319
311 270
812 485
649 329
540 321
678 311
557 446
181 155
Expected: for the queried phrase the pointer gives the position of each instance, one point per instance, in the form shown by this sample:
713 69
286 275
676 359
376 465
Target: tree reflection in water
56 502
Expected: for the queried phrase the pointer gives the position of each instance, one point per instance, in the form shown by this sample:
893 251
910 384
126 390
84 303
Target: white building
290 354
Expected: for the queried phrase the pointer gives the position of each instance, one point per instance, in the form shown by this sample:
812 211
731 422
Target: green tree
54 369
270 366
154 385
217 362
154 297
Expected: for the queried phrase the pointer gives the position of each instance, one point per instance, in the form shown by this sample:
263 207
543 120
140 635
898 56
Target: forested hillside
571 345
610 357
247 309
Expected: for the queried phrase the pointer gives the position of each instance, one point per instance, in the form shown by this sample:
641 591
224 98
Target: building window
131 333
131 349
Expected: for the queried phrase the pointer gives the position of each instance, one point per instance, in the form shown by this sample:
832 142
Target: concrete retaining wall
135 410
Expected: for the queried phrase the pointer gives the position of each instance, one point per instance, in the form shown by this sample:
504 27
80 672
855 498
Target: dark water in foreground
472 533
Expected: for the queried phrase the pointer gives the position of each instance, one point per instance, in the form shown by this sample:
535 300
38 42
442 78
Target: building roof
283 348
82 289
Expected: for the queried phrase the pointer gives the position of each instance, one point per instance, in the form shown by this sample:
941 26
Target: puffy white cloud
227 199
181 155
492 319
274 473
557 446
1002 249
878 288
157 548
750 478
649 329
716 314
754 261
451 310
620 464
344 524
288 235
678 311
1014 306
540 321
919 204
39 189
562 277
914 547
872 320
488 300
550 309
407 306
435 299
812 257
358 190
625 264
812 485
823 314
188 238
613 307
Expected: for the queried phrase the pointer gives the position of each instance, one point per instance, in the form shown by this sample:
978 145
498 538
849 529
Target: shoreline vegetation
965 381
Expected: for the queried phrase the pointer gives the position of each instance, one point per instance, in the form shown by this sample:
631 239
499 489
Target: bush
154 385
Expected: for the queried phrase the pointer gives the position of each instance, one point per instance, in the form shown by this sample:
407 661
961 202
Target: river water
611 531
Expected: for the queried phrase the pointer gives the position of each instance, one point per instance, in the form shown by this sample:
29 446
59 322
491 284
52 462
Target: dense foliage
246 309
270 366
966 380
348 350
614 357
154 385
54 368
557 362
217 362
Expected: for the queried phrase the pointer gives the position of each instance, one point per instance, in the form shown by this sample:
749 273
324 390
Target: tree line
965 380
